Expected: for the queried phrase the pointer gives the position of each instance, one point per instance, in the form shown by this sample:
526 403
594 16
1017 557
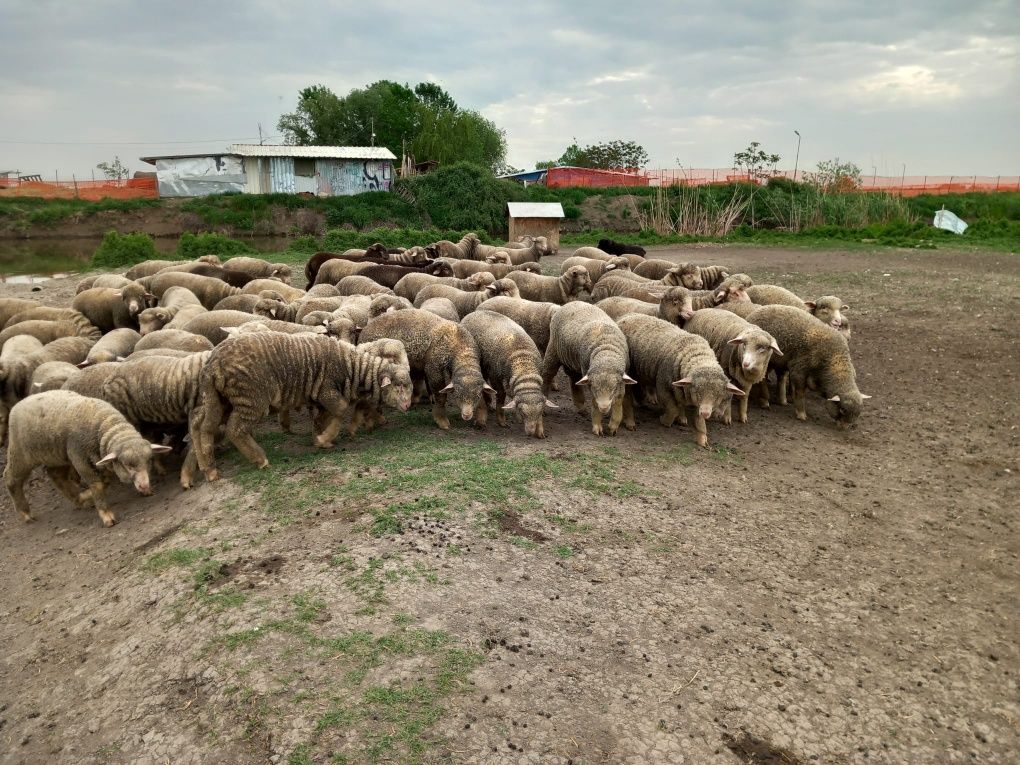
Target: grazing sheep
741 308
259 285
12 356
742 349
679 367
168 352
465 268
241 302
593 352
388 275
829 310
500 257
712 276
416 256
51 376
530 254
209 291
314 305
619 283
177 339
462 250
322 291
367 409
42 312
533 317
76 439
592 252
772 294
109 308
170 304
315 263
409 286
441 351
684 275
43 330
258 324
731 289
230 276
441 306
656 268
16 374
812 350
674 307
276 308
112 346
511 364
619 248
255 373
382 303
333 270
258 268
596 268
361 285
574 284
210 325
466 302
148 268
11 306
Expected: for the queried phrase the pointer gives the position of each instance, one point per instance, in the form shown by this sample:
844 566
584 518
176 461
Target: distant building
254 169
535 219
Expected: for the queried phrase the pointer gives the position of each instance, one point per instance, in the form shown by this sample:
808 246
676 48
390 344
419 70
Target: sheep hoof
212 475
802 416
443 425
264 464
703 443
320 443
743 421
27 518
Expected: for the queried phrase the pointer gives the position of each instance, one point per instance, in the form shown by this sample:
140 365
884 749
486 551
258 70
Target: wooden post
74 178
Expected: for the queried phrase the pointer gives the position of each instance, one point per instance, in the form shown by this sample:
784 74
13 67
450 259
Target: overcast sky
932 84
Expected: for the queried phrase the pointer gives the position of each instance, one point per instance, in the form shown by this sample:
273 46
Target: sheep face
680 302
130 463
439 268
829 310
481 279
531 408
397 387
466 392
755 351
733 290
500 256
152 319
606 387
845 409
268 307
579 279
134 297
707 390
686 275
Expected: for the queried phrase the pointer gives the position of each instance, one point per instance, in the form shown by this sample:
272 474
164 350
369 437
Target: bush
370 210
464 197
307 244
123 250
193 246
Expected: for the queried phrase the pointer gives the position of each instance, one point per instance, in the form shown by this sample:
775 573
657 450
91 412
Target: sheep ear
84 364
510 404
36 385
385 381
835 398
122 358
628 380
738 340
582 381
551 405
272 312
319 330
610 267
230 330
492 287
720 295
682 383
811 304
775 349
865 395
488 388
160 449
149 296
107 459
447 388
844 308
735 390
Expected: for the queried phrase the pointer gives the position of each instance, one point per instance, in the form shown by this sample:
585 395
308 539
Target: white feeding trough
949 221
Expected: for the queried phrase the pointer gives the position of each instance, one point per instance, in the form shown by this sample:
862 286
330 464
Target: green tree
754 161
113 170
834 175
608 155
426 120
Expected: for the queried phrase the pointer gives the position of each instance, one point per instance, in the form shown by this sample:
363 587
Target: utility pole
260 134
797 160
372 123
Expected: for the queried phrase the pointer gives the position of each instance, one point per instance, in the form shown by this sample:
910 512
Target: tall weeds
688 212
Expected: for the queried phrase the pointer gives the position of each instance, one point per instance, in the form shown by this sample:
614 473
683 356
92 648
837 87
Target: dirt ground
794 594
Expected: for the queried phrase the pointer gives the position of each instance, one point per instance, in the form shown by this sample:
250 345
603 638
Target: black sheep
619 248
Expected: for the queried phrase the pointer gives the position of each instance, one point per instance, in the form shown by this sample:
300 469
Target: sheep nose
705 412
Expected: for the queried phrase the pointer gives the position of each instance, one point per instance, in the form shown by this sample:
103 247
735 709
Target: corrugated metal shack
257 169
536 219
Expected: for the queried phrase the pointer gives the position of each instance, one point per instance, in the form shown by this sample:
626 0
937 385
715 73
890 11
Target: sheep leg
285 419
15 482
762 389
189 468
628 411
596 419
97 487
577 393
671 410
239 434
336 407
784 378
702 431
616 416
742 403
439 412
204 426
481 414
62 480
500 412
550 366
98 491
798 385
357 418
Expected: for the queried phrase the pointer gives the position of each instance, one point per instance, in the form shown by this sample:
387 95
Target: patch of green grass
180 556
569 525
564 551
118 250
300 756
523 542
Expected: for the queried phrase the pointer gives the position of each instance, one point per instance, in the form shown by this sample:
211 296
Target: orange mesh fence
557 177
93 191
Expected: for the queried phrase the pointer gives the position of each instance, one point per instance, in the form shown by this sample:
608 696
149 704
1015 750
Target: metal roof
312 152
152 160
535 209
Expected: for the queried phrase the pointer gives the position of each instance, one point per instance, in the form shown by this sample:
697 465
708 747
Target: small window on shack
304 167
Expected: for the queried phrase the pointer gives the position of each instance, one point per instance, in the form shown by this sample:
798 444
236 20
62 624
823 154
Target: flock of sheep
179 355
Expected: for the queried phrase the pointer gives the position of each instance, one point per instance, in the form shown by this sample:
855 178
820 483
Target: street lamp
797 160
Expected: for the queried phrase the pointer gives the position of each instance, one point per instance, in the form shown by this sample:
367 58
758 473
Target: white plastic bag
949 221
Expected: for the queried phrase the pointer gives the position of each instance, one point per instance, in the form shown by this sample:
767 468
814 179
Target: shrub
307 244
464 197
192 246
123 250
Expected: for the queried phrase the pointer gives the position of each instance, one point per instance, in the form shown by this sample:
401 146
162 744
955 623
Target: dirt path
795 594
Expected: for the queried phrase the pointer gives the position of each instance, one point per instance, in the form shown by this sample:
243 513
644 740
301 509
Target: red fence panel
93 191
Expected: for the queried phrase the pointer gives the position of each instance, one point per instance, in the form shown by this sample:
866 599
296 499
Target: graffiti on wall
198 176
345 177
